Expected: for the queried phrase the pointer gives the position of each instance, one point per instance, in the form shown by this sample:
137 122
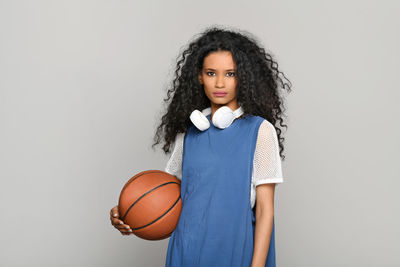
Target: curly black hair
258 83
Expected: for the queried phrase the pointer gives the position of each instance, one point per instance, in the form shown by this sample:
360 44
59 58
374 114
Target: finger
113 218
126 231
114 212
120 224
122 227
116 221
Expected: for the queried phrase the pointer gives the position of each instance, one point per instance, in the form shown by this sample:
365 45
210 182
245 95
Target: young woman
223 120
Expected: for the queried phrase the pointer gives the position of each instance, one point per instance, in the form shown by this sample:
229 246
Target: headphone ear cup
223 117
199 120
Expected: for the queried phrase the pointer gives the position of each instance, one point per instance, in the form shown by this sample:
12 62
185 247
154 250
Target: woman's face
218 76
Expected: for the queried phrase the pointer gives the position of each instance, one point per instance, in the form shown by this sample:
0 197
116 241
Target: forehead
219 60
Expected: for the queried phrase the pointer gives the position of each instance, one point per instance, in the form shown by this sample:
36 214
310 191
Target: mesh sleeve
174 164
267 162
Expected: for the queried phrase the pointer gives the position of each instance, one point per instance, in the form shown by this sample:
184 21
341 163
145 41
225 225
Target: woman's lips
219 94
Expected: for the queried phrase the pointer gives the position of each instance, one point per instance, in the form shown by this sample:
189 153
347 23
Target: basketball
150 203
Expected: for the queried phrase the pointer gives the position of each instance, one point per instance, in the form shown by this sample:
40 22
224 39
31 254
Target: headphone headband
237 113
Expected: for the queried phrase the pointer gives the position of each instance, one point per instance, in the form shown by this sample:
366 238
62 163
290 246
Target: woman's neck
233 105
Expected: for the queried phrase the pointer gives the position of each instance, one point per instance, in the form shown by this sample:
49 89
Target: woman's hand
118 223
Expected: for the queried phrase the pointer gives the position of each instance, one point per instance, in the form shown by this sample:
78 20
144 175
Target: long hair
258 83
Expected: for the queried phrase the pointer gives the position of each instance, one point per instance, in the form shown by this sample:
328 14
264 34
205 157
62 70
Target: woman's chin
219 100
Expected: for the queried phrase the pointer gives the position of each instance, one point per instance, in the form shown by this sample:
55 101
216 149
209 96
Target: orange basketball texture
150 203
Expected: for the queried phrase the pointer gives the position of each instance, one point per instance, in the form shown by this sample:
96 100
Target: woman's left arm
264 222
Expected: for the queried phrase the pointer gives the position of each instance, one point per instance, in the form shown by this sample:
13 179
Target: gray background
81 93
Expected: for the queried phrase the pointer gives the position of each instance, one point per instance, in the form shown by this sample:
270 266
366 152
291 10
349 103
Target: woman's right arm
174 167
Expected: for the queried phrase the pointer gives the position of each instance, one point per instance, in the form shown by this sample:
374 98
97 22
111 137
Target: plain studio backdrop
81 94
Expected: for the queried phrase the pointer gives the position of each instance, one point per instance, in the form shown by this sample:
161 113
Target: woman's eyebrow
214 69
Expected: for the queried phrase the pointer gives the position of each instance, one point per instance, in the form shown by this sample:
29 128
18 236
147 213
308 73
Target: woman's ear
200 79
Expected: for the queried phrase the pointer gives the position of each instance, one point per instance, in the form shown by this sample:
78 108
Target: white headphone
222 118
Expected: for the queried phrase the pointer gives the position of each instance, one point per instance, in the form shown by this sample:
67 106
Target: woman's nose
220 81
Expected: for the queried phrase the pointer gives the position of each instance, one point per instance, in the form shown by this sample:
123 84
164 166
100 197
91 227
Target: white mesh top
266 163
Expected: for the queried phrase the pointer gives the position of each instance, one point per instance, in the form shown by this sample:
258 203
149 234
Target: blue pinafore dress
216 226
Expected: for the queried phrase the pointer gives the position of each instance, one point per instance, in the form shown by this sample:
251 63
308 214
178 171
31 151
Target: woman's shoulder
267 123
266 128
267 131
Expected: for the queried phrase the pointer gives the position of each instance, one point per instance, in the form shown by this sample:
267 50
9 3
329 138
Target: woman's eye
211 73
